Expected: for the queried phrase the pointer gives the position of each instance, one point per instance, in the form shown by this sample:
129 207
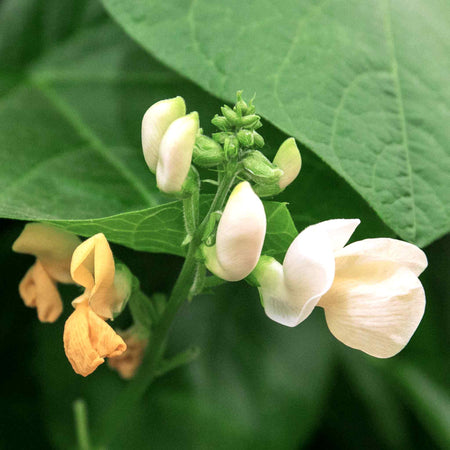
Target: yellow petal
39 291
93 268
51 245
129 361
88 339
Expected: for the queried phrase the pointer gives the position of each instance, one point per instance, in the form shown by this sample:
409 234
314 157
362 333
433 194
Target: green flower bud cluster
238 141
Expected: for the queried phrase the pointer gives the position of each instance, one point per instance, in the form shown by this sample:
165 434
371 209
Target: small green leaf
161 229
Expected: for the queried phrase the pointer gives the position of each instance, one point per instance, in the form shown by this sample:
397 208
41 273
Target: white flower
370 292
289 160
240 235
175 153
155 123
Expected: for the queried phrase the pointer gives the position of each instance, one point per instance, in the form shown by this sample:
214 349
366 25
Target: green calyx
207 152
260 170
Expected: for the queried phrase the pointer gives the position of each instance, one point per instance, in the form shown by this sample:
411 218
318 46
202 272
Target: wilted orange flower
88 339
128 362
53 249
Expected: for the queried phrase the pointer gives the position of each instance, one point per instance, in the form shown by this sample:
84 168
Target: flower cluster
62 257
369 290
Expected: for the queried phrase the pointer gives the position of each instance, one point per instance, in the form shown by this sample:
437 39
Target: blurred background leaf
363 84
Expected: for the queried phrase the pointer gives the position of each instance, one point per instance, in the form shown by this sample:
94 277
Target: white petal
275 298
309 264
378 311
289 160
339 231
241 232
175 153
155 122
385 249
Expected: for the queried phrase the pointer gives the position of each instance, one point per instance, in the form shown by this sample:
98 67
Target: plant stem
81 424
119 411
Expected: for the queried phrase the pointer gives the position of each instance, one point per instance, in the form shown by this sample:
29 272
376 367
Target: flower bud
231 147
221 123
241 106
260 169
289 160
220 137
246 138
250 121
240 235
175 154
155 122
207 152
259 141
230 115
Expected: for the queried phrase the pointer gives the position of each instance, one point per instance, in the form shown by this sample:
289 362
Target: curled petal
385 249
240 234
155 122
93 267
38 290
289 160
128 362
51 245
309 266
376 309
275 298
175 153
88 339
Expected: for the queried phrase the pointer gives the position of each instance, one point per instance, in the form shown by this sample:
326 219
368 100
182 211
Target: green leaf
72 98
363 84
161 229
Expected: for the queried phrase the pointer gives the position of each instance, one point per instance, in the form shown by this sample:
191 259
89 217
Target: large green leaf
73 94
363 84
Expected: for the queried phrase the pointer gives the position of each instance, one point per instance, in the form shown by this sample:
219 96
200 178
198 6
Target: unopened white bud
175 153
155 123
240 235
289 160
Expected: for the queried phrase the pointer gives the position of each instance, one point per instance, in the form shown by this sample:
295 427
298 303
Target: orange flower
128 362
53 249
88 339
93 267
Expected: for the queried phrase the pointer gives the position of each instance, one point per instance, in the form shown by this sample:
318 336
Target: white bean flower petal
370 292
240 235
308 270
376 301
175 153
155 123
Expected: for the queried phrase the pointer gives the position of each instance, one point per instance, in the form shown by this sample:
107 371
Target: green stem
81 424
114 419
